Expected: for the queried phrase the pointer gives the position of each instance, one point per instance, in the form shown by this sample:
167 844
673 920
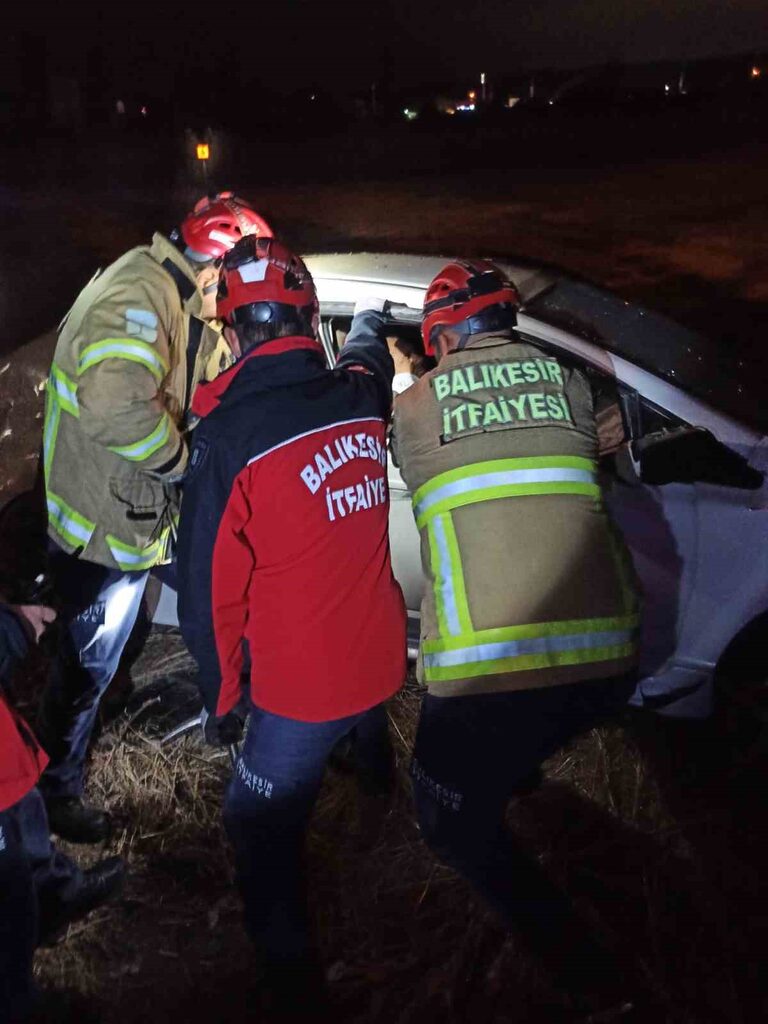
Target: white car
688 487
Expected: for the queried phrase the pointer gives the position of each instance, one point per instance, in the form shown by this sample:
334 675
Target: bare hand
34 618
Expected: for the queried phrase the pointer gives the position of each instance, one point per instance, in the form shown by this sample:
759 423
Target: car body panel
700 551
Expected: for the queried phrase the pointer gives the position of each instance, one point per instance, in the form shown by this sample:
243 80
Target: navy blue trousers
471 756
266 811
36 880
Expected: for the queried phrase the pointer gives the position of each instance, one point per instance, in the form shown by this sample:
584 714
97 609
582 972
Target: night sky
341 44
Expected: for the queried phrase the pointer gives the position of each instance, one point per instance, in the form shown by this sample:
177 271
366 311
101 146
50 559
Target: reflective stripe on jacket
528 582
129 355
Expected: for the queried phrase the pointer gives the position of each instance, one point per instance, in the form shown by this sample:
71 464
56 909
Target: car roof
654 342
406 274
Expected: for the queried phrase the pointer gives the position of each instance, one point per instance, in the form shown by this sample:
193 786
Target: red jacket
283 540
22 759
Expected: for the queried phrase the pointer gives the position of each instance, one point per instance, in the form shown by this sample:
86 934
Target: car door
671 488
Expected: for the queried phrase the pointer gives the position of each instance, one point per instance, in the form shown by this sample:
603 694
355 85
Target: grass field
657 832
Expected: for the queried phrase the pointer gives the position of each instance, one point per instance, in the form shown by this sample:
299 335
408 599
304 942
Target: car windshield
686 359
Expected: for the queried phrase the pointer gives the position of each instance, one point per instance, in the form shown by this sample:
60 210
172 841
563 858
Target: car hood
690 361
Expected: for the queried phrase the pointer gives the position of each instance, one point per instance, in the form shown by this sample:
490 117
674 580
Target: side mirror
690 455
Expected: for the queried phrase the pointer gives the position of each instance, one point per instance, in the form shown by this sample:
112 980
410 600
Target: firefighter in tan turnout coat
129 355
529 622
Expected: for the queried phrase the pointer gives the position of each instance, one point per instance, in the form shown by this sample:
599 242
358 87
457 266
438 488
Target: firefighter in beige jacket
529 621
129 355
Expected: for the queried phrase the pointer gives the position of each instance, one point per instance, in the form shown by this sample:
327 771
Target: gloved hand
372 302
224 730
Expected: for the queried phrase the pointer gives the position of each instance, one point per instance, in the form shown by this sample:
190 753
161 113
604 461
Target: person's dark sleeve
365 351
13 643
214 567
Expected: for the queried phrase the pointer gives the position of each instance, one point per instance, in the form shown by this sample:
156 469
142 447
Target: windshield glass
686 359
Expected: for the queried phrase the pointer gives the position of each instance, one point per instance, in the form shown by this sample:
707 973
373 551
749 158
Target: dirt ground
657 830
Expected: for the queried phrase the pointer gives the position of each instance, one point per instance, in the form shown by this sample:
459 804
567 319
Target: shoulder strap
193 346
185 287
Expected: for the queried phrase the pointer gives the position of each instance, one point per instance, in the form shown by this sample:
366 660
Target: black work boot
76 822
99 884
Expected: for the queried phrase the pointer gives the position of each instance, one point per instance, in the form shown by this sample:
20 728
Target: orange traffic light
203 151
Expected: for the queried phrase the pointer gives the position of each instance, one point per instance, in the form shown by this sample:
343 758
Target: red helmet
470 296
262 282
215 225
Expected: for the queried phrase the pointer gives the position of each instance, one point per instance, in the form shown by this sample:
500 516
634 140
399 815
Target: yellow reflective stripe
140 450
450 592
132 558
505 478
500 465
435 673
533 631
64 389
123 348
539 645
447 617
69 524
457 576
50 429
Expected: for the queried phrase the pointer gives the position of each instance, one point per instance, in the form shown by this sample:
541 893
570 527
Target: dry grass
671 869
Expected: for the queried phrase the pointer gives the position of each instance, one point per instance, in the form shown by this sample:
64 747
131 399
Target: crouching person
41 889
284 558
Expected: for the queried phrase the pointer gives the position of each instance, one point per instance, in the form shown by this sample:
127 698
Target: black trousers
471 756
18 922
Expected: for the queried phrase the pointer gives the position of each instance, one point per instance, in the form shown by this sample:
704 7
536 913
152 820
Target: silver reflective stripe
534 645
66 522
445 577
504 478
64 390
114 349
123 557
53 414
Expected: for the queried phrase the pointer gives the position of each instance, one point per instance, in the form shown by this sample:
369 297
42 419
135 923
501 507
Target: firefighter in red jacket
284 560
41 889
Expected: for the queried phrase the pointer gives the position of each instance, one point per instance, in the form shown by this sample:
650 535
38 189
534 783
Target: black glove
224 730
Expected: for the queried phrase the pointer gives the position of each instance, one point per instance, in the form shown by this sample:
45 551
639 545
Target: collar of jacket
162 250
209 396
490 339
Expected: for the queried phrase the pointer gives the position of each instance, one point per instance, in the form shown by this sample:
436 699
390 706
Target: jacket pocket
141 499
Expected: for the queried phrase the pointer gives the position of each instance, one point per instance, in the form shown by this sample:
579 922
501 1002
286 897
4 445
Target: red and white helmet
216 224
471 297
263 282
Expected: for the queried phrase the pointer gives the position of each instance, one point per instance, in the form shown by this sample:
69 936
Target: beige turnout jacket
129 355
528 582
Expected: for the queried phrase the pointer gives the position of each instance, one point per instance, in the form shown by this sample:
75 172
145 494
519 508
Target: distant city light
120 107
512 101
410 115
666 89
482 78
203 150
472 94
756 72
466 106
312 97
144 111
